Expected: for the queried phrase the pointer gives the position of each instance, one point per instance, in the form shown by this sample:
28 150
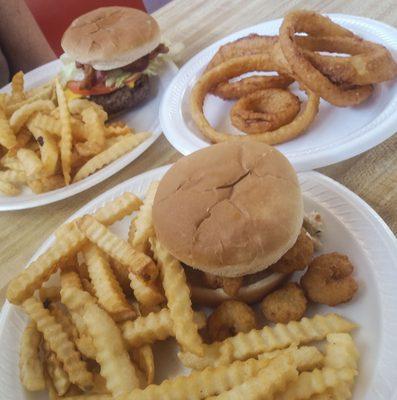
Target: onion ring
264 110
368 62
236 67
249 45
304 71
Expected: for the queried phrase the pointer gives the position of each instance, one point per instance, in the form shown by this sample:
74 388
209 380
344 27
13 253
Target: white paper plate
335 135
351 227
144 118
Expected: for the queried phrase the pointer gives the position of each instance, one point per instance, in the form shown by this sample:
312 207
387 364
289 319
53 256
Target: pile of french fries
91 336
47 142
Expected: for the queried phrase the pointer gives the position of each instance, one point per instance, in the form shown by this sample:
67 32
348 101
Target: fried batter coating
285 304
329 279
230 318
230 286
297 257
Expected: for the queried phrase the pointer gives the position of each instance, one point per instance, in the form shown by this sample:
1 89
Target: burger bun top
230 209
111 37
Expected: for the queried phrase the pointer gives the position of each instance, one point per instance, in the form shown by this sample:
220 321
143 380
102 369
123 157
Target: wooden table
196 24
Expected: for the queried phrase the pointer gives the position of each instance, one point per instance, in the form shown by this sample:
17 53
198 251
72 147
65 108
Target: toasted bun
251 293
111 37
230 209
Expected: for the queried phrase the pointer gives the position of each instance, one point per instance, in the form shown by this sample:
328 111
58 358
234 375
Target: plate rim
187 144
372 222
103 174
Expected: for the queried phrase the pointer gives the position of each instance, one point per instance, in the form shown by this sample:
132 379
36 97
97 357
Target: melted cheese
71 95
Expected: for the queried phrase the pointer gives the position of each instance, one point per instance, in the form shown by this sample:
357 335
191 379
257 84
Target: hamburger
109 55
230 213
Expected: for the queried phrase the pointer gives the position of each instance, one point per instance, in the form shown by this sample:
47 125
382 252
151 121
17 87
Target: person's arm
21 40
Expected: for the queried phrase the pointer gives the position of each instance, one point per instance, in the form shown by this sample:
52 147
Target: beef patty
124 98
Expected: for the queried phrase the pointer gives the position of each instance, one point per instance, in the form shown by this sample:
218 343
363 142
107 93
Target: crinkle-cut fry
110 141
24 285
70 278
22 115
201 384
79 130
115 130
96 133
118 208
11 176
306 357
59 377
121 273
341 352
117 248
129 142
131 230
144 359
77 106
107 289
99 385
59 313
148 294
65 143
44 95
111 212
59 343
81 269
46 183
39 89
179 303
143 223
24 136
250 344
153 327
112 356
69 241
50 294
11 162
30 366
48 149
52 393
74 298
46 122
7 135
89 287
316 382
9 189
270 380
17 85
31 163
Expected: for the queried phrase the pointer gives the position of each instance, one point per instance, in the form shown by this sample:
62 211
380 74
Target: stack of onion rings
236 67
264 110
250 45
304 71
340 80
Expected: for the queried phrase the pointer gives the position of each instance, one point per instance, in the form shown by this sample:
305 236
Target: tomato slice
74 86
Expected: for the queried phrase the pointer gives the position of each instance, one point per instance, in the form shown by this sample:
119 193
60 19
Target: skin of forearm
21 39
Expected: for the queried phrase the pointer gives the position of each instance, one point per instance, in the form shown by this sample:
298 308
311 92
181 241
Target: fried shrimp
285 304
297 257
230 286
230 318
329 279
